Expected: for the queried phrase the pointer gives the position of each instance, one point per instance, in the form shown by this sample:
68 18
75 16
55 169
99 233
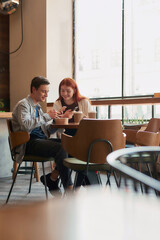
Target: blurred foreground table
88 215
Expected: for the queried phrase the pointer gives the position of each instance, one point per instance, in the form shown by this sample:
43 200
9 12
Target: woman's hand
62 109
68 114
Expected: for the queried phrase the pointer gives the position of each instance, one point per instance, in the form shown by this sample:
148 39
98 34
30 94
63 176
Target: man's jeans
51 148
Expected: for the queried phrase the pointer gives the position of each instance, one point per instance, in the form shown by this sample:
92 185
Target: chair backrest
153 125
10 130
151 135
90 130
16 138
142 137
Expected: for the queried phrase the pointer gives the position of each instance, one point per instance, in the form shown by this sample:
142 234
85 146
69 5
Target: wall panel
4 63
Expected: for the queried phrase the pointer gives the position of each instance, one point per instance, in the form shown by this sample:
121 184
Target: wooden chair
93 141
140 137
16 139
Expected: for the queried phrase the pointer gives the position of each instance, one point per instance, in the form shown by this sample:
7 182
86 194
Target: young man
28 116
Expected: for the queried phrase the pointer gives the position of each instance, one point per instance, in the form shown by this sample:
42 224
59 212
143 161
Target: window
98 47
113 49
142 62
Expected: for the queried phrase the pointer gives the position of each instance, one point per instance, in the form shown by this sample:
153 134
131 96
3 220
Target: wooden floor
20 191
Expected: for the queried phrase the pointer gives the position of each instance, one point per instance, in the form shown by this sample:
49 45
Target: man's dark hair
38 81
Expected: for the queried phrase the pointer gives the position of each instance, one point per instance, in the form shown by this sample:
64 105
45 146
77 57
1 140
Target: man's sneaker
52 185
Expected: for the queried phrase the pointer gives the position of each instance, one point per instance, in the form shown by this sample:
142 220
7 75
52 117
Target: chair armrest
144 138
130 135
124 138
135 126
18 138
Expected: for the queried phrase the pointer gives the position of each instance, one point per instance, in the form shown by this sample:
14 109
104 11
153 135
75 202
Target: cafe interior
112 50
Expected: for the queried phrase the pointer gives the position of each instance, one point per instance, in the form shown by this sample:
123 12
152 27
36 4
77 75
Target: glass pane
102 112
98 47
157 111
142 47
116 112
137 113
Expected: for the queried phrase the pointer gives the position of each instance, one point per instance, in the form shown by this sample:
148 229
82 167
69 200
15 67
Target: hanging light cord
21 35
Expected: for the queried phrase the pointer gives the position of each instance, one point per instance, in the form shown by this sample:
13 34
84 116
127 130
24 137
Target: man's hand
53 113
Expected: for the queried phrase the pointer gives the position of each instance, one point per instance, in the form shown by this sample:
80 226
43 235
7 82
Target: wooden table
5 115
88 215
66 126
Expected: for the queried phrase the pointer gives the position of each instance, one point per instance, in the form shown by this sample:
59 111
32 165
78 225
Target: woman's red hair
69 82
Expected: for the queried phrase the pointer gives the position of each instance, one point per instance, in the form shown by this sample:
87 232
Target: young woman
70 97
69 100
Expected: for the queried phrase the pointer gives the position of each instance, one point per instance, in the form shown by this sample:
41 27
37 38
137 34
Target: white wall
46 49
59 43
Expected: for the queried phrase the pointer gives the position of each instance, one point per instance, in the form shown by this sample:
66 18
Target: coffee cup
92 114
78 116
61 120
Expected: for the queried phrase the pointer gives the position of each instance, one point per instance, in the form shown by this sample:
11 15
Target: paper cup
78 117
61 120
92 114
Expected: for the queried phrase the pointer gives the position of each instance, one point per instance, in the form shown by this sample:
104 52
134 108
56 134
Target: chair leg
135 186
108 178
75 181
149 170
36 171
116 180
52 165
120 178
15 166
154 175
69 177
45 182
99 178
31 178
139 169
13 183
125 183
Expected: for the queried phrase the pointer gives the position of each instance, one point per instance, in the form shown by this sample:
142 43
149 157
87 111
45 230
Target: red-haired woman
70 99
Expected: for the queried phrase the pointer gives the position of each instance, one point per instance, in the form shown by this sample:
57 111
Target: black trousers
90 179
51 148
